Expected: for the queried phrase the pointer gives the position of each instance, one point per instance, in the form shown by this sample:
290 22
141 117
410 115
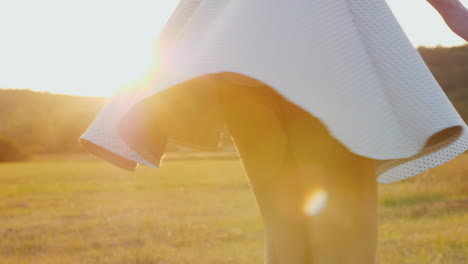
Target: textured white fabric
346 62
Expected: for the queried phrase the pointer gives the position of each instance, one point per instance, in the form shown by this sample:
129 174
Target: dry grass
199 211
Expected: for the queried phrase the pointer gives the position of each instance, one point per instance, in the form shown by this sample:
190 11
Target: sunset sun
88 48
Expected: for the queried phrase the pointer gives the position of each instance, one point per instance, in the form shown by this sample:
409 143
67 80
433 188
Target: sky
97 47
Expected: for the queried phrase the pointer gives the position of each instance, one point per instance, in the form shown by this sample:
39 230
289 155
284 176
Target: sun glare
315 202
90 47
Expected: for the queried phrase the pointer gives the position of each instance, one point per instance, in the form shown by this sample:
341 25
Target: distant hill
49 123
46 123
450 67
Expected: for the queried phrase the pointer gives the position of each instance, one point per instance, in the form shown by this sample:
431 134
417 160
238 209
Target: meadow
199 211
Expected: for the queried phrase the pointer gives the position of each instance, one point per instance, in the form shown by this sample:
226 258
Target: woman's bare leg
345 230
288 156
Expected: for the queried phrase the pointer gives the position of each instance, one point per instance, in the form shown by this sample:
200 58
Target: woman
454 14
323 100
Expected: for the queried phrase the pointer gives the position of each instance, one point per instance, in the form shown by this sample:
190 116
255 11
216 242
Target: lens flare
315 202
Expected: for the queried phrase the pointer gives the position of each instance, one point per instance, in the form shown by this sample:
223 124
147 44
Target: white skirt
346 62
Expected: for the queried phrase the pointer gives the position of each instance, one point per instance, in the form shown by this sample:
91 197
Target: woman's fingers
444 4
454 14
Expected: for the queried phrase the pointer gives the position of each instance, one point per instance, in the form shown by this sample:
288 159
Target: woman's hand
454 14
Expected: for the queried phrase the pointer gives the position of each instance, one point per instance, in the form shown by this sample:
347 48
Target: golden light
89 47
315 202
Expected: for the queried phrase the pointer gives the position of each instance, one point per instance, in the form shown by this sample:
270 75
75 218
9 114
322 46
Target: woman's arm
454 14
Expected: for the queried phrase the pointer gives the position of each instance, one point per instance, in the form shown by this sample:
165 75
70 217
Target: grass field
199 211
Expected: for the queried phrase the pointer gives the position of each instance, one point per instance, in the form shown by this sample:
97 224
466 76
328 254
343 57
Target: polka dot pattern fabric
347 62
401 169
